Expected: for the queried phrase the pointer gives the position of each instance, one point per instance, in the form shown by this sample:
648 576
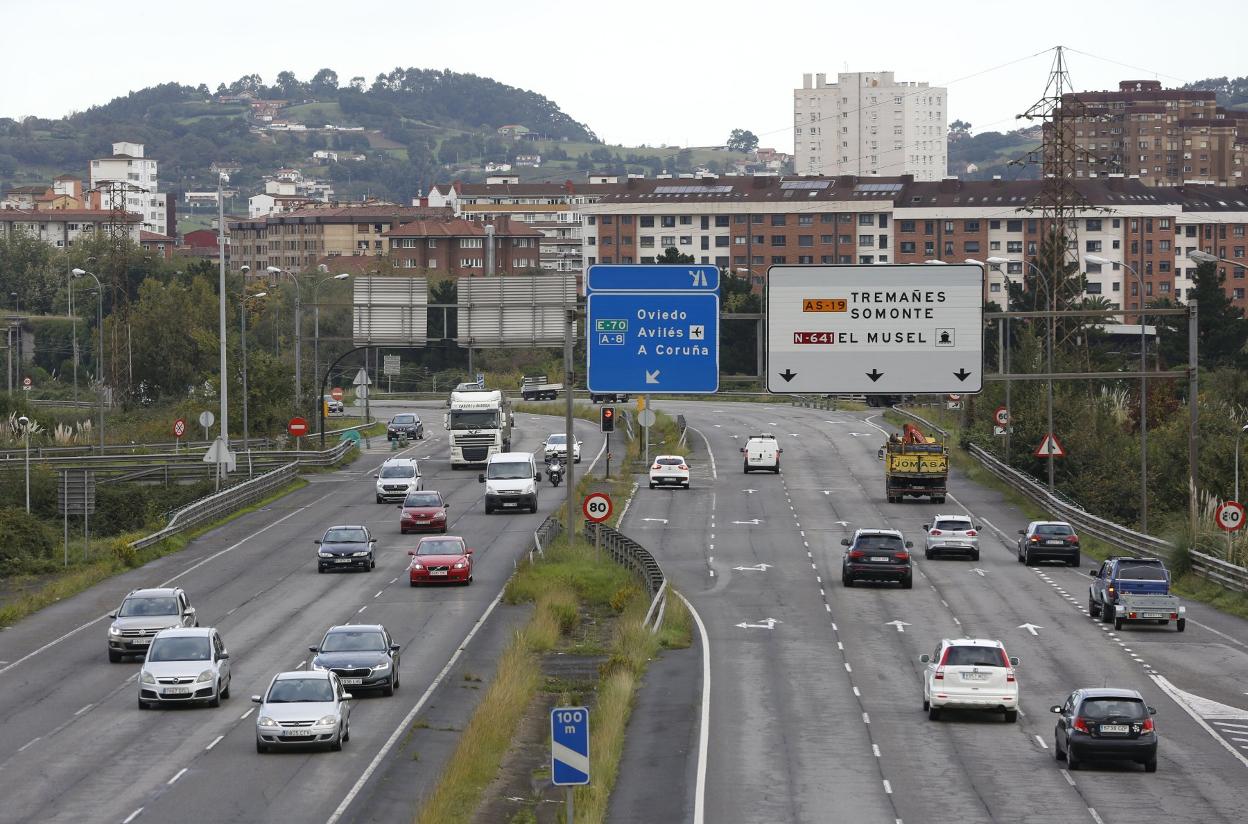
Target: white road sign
875 329
390 365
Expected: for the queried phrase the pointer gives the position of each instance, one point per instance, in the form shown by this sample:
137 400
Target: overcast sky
647 72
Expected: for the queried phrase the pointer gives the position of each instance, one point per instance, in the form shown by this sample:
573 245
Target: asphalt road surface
815 693
75 747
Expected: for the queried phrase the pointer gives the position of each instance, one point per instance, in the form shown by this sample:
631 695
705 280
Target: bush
28 543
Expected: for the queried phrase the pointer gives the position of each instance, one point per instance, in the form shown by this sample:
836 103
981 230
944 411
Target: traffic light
606 420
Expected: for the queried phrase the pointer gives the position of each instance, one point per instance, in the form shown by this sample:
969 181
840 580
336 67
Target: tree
959 126
1220 324
742 140
25 268
289 85
673 255
326 80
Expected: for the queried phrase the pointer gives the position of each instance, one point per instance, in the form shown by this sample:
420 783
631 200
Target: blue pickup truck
1134 589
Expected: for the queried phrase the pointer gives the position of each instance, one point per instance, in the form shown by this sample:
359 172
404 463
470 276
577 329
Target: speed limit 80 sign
597 507
1230 516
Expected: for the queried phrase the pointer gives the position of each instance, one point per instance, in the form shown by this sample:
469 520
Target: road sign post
881 329
597 508
569 750
652 328
1230 516
1050 447
297 428
179 429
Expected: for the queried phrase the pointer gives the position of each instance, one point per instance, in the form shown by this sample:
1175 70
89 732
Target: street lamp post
316 332
242 313
24 423
99 321
274 270
1097 259
1050 299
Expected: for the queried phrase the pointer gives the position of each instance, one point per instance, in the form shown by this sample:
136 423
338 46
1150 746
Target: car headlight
266 721
417 565
530 489
327 720
460 565
204 677
114 631
147 678
325 554
382 667
359 554
439 516
317 666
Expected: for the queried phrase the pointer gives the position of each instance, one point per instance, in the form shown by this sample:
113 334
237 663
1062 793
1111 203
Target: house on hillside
513 130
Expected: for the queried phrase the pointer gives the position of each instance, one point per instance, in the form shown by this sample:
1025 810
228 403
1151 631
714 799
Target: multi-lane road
815 710
75 747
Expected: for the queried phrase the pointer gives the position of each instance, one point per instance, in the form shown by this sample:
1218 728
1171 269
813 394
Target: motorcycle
554 469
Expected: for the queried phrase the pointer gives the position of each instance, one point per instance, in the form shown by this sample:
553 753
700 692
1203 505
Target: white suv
396 478
951 535
971 674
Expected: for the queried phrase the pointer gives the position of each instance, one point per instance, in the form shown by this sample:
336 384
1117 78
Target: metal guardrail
627 552
814 403
1123 540
546 534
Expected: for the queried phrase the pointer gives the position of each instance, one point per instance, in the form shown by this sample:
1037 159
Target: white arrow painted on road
658 520
978 571
734 437
771 423
717 425
766 623
1030 628
901 625
842 523
652 377
793 434
863 434
755 568
754 522
749 491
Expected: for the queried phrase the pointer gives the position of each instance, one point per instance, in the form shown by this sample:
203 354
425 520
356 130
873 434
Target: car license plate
509 503
142 642
1156 615
974 676
351 682
880 559
177 690
342 560
437 572
297 733
1119 728
422 520
1054 543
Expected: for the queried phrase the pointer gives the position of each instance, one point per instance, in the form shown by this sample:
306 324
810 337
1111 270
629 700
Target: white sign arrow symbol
901 625
978 571
749 491
1030 628
659 520
652 377
766 623
755 568
754 522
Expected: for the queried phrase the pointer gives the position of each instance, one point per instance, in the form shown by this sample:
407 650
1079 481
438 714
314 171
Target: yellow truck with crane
915 464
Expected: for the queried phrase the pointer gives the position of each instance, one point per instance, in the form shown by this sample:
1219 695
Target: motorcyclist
555 469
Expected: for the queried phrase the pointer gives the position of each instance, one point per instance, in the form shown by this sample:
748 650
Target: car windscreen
423 499
889 543
509 470
1054 529
354 641
474 419
560 439
296 690
180 649
444 547
344 535
670 461
1114 708
404 419
953 525
135 607
974 657
400 471
1142 572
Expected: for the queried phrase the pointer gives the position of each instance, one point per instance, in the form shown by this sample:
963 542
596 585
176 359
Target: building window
1013 226
776 259
1094 288
907 247
647 241
805 240
777 240
1094 225
865 259
721 241
668 241
471 243
668 221
686 220
970 246
970 225
805 220
866 240
470 263
721 220
758 219
866 220
907 226
1092 246
805 258
929 248
778 220
647 221
686 240
1014 267
948 247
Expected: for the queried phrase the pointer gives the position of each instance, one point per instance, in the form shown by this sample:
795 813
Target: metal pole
1143 414
368 391
570 314
571 792
1193 413
242 315
99 320
298 338
1009 410
1237 434
27 430
316 344
65 512
607 474
74 321
224 368
645 436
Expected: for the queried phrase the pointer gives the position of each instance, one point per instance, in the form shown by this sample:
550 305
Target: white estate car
951 535
397 477
669 469
970 674
185 665
761 452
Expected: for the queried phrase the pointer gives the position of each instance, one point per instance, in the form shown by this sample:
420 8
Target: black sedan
405 425
1105 724
877 555
346 547
363 656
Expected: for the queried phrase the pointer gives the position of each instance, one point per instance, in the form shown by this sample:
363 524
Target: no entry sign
297 427
336 393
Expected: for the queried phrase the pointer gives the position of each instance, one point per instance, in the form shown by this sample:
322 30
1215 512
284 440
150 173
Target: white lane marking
866 719
840 646
1172 691
1095 816
888 788
834 629
392 580
1066 775
132 816
704 724
1202 626
30 742
956 621
361 609
181 773
1244 740
1229 724
1040 741
378 595
714 473
84 709
828 607
94 621
214 743
848 668
407 720
875 750
244 715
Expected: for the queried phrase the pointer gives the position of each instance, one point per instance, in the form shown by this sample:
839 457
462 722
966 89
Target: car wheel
1027 559
114 657
685 484
1093 609
652 484
372 562
1072 763
336 744
745 467
1020 556
262 748
225 693
907 582
411 582
379 500
1011 716
1150 765
1180 624
1107 612
1074 560
975 555
846 580
927 554
215 700
1058 753
939 500
388 689
142 704
346 734
933 713
1117 623
926 705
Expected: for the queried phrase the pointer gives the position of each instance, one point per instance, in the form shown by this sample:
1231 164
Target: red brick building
457 247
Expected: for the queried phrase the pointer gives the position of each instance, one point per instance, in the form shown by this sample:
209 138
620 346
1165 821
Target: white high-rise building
128 165
867 123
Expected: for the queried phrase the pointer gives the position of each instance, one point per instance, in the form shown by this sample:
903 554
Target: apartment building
299 239
745 224
128 165
1166 137
458 247
61 228
868 123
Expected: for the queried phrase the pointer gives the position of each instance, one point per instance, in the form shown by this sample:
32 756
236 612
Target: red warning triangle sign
1050 447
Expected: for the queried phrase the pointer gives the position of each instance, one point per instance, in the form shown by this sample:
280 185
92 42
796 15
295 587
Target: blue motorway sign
569 746
652 278
653 342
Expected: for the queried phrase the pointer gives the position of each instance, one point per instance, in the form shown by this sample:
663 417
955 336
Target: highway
815 694
76 748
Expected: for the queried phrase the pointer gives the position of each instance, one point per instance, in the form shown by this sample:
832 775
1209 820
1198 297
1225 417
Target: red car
440 560
423 511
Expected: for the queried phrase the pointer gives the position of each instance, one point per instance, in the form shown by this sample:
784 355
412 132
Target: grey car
185 666
142 614
301 708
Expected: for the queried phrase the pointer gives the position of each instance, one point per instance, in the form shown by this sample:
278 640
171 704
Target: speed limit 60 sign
1230 515
597 507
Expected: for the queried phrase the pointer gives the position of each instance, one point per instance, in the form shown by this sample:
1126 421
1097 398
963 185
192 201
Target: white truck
538 388
478 425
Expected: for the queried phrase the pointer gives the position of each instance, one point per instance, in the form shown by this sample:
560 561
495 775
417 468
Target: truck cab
761 452
478 425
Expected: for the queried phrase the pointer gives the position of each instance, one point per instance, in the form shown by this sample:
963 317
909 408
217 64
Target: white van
396 478
510 480
761 452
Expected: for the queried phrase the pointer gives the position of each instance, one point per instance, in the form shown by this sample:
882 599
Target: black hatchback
346 547
877 555
405 425
1105 724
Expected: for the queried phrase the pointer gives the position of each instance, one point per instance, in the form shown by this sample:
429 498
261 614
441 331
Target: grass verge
113 557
